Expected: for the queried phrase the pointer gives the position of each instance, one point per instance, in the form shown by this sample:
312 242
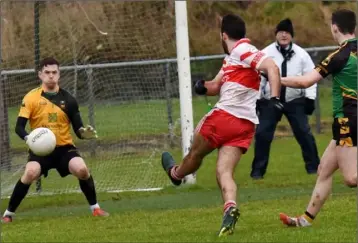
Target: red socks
174 174
229 204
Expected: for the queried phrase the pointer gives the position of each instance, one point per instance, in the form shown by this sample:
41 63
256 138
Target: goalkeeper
341 152
52 107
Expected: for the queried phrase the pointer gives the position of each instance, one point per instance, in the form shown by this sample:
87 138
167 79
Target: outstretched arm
333 63
304 81
82 132
76 120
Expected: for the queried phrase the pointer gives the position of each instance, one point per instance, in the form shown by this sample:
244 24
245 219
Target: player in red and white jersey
239 85
230 125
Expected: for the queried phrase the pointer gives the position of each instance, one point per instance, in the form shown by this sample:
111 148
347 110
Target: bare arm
214 85
269 67
304 81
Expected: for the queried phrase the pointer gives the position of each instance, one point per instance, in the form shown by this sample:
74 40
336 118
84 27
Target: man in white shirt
298 103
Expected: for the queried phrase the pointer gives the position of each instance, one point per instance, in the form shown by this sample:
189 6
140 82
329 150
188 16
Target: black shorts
58 159
345 131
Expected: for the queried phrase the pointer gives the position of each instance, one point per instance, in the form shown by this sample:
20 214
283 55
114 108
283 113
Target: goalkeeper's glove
88 132
200 88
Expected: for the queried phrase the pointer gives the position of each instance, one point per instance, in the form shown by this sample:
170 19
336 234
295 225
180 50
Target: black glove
199 87
309 106
276 103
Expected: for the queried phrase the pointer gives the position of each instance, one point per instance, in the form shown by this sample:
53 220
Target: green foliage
278 8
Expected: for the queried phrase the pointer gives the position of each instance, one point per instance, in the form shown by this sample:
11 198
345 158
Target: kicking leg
32 173
191 162
323 187
78 168
227 160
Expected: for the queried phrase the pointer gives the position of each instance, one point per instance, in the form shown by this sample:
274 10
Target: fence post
37 58
317 105
5 157
91 100
75 80
75 70
168 92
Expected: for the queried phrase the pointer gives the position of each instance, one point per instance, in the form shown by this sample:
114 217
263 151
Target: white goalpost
184 74
127 64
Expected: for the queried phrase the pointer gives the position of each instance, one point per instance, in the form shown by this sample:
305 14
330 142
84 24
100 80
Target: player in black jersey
341 152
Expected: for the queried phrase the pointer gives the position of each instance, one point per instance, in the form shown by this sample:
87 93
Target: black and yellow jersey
342 64
56 111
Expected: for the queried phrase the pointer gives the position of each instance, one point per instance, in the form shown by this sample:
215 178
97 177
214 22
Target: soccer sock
174 174
229 204
306 219
93 207
17 196
89 190
8 213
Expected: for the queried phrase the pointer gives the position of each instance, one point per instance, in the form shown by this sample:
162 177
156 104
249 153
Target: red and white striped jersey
241 81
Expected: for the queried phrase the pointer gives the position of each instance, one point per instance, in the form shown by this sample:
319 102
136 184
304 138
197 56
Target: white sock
93 207
8 213
303 221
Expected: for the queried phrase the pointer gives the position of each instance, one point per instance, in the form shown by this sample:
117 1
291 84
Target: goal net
111 56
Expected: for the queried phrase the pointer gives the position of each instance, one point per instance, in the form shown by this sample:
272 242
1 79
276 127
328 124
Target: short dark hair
345 21
48 61
233 26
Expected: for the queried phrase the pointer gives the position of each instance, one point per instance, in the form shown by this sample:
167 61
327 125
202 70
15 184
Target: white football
41 141
190 179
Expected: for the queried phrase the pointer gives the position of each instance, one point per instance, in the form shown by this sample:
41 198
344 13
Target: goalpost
119 59
183 54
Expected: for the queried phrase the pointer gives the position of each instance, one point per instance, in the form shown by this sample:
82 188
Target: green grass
184 214
193 214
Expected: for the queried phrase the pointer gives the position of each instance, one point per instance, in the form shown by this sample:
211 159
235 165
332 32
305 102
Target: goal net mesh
105 50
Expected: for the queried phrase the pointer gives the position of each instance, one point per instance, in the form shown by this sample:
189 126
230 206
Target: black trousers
269 117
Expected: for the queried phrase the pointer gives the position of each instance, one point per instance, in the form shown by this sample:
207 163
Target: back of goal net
114 61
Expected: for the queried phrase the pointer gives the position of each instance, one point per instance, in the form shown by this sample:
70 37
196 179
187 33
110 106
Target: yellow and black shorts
345 131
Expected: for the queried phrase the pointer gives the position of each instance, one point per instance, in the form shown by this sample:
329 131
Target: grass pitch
184 214
193 214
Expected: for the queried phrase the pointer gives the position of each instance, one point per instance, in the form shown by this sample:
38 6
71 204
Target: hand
200 88
309 106
88 132
276 103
